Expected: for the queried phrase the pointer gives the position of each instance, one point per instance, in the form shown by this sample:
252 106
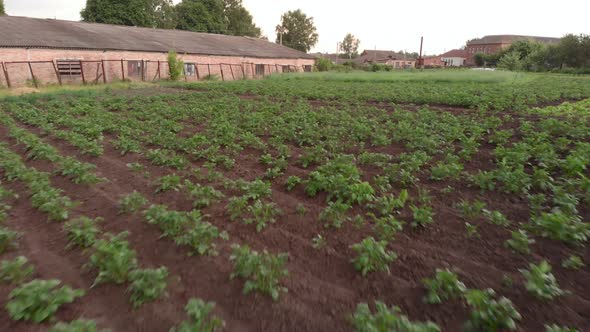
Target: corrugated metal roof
58 34
508 39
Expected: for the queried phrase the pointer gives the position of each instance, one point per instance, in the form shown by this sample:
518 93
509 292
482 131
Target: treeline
570 55
214 16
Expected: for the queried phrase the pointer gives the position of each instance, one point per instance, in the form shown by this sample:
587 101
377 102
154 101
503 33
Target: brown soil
324 287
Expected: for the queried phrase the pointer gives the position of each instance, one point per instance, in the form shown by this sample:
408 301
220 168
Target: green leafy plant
372 256
263 271
489 314
541 282
471 210
200 318
573 262
7 239
471 230
292 182
82 231
386 319
386 227
132 203
147 285
557 328
444 286
496 218
39 300
318 241
78 325
168 183
335 214
262 214
387 204
113 259
558 225
202 196
519 242
422 216
16 271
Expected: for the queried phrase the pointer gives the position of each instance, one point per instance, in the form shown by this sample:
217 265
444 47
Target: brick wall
92 61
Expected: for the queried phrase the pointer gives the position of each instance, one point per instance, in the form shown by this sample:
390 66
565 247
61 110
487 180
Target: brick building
391 58
494 43
45 51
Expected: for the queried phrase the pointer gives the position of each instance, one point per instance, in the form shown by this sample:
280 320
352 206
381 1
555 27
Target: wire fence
59 72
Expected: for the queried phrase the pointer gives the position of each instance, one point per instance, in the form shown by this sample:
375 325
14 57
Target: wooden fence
36 73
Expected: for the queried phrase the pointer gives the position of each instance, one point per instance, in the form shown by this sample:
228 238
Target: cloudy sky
387 24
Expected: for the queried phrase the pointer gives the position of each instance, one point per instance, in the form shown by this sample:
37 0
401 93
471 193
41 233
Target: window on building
134 68
190 69
69 67
307 68
259 69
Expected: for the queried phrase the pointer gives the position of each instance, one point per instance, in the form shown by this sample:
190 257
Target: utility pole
281 30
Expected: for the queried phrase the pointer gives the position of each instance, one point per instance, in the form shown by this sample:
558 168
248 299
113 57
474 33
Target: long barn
46 51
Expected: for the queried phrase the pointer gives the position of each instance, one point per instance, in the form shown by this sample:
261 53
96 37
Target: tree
510 61
299 31
2 12
175 66
239 20
142 13
201 16
479 59
350 46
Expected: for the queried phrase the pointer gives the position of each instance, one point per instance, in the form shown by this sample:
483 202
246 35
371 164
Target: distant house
391 58
495 43
433 61
454 58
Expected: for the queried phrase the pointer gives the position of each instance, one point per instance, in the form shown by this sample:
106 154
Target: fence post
56 72
5 70
209 69
221 68
122 70
184 73
33 75
253 72
197 70
142 70
159 73
233 78
104 73
82 73
243 71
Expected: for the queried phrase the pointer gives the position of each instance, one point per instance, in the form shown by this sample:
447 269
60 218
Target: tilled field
190 176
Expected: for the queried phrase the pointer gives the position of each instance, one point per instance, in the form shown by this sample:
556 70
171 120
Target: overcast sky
387 24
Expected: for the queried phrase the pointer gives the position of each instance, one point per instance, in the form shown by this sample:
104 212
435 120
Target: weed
318 242
573 262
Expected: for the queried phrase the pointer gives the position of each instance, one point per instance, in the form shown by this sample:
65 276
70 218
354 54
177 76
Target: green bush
323 64
175 66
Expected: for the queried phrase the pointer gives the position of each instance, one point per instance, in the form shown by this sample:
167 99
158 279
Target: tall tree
297 31
201 16
350 46
239 20
143 13
2 12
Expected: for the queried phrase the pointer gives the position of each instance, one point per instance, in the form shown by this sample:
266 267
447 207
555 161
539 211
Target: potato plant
78 325
200 318
489 314
372 255
39 300
113 258
82 231
541 282
386 319
16 271
146 285
262 271
444 286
